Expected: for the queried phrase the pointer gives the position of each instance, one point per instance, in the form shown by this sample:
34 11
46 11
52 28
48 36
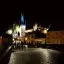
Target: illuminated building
23 26
19 30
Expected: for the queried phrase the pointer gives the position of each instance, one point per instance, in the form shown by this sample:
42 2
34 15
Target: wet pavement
36 56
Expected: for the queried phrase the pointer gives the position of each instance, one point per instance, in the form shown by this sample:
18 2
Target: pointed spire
22 18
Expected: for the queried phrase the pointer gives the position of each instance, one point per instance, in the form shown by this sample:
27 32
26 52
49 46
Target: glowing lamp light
45 31
13 39
26 31
18 29
9 31
26 38
35 27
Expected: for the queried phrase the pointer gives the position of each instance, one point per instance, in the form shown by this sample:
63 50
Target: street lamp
45 32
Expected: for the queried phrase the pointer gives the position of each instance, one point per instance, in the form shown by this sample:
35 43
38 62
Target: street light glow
28 30
26 38
35 27
47 28
9 31
18 29
45 31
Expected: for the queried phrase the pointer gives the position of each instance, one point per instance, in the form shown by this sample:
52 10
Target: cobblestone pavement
36 56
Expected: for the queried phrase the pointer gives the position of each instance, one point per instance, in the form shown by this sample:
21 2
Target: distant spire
22 18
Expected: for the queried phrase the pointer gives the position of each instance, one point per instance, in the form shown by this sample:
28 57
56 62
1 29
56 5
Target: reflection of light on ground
12 59
44 51
26 46
54 51
45 55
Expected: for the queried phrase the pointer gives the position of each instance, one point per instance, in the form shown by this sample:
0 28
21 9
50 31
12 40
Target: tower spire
22 18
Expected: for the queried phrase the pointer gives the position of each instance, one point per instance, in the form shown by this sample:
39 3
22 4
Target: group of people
21 44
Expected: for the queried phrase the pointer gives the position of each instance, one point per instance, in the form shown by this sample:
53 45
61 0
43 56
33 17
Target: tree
38 34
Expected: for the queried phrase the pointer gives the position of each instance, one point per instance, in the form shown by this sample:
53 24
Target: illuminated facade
19 30
23 26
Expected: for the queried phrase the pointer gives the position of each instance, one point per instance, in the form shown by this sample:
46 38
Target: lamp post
45 32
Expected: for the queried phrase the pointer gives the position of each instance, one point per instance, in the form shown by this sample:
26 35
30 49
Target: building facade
55 37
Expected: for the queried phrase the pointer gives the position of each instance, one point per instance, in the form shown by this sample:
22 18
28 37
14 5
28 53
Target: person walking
22 45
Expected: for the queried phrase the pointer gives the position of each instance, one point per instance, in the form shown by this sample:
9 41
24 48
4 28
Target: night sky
8 17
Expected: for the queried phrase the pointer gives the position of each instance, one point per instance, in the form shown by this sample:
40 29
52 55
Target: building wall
55 37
